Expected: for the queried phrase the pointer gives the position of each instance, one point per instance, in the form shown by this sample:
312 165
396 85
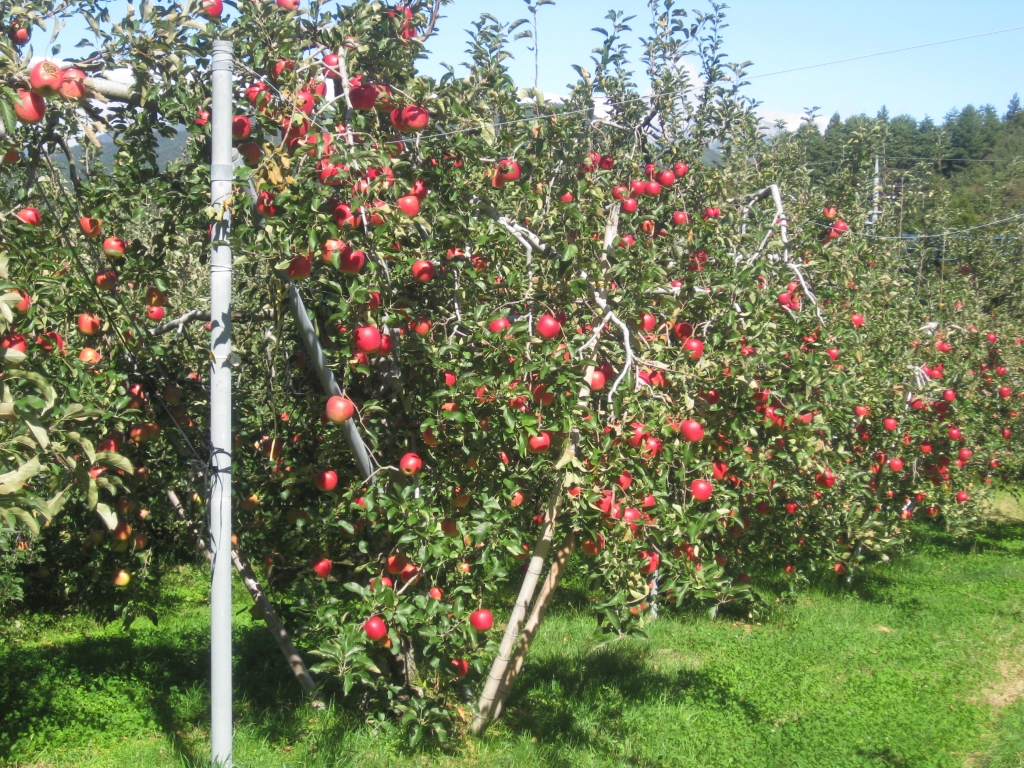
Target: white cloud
792 119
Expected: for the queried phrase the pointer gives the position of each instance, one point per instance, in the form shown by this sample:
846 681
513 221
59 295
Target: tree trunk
270 617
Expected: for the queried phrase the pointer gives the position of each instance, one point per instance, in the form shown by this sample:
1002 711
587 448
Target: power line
886 53
670 92
923 159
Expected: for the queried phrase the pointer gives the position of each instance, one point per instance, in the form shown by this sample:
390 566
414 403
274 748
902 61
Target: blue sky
780 34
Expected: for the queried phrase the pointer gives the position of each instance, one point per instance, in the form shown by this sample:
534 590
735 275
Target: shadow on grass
44 689
602 686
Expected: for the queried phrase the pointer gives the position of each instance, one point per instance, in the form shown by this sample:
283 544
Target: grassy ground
921 665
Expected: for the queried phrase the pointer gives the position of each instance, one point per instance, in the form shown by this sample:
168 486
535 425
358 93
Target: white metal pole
221 176
876 193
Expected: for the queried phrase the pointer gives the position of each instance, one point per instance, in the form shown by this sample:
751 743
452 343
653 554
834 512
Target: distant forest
975 154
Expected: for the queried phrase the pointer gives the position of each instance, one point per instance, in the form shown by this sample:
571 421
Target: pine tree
1014 113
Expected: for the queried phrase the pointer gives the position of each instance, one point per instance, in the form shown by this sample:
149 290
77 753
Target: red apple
300 266
30 107
29 216
339 409
106 280
156 314
367 339
410 464
363 97
481 619
701 490
499 324
45 78
90 227
548 327
23 304
327 480
265 204
409 205
375 628
539 443
508 170
323 566
351 262
692 430
15 342
241 127
695 347
679 218
113 247
857 320
651 561
423 271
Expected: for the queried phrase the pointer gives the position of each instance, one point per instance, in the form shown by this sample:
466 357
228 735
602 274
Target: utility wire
923 159
670 92
885 53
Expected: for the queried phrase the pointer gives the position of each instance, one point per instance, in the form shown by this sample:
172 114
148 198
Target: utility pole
222 174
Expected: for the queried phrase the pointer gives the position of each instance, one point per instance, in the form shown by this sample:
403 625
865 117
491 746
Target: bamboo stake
485 706
496 689
540 607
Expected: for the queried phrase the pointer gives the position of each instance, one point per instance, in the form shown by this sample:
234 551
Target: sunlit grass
920 664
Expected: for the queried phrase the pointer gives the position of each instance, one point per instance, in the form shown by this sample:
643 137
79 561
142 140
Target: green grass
921 665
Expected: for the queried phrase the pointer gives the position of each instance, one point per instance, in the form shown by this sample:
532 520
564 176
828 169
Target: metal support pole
330 385
221 176
876 192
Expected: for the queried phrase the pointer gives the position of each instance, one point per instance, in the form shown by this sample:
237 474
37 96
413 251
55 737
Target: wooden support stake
488 699
540 607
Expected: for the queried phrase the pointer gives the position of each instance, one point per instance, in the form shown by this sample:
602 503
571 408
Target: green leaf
107 515
38 431
12 482
113 460
92 496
